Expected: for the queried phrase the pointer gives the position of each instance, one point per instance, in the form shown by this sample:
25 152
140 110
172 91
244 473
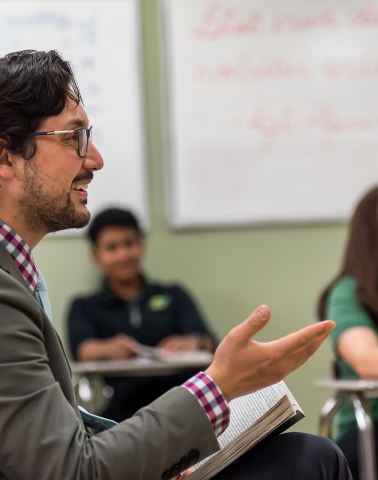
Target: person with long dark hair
351 300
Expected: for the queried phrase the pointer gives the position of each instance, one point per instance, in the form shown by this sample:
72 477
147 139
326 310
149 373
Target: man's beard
42 211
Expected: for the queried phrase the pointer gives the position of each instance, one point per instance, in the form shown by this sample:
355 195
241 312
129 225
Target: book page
273 420
248 409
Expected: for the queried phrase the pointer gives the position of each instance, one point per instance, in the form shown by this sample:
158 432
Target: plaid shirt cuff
203 387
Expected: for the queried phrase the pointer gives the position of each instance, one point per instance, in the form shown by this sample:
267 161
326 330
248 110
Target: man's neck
128 290
16 222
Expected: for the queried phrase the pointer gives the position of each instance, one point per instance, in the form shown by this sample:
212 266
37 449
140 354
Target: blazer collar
7 263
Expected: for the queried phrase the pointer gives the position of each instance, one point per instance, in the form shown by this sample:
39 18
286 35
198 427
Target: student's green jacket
344 308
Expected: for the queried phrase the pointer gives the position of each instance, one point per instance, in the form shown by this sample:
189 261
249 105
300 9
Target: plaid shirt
20 253
201 385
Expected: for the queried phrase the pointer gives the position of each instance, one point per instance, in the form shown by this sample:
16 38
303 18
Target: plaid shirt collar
21 254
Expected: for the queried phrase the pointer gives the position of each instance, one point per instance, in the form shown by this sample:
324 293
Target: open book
253 417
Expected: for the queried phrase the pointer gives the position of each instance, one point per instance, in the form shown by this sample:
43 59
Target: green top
344 308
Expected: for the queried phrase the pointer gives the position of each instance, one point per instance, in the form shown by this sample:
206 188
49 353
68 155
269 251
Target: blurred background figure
351 300
130 310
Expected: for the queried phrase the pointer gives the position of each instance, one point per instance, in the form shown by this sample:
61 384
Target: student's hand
120 347
183 475
242 366
178 344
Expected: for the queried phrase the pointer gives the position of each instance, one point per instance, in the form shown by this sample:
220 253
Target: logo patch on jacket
159 302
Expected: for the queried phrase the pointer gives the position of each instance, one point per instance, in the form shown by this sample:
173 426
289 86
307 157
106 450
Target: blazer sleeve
42 438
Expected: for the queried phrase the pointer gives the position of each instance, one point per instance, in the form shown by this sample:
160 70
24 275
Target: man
130 310
46 162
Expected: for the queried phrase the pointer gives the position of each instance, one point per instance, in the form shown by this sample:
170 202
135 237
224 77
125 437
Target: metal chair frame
365 426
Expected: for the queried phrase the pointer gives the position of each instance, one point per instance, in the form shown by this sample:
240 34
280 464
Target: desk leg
366 441
86 394
326 416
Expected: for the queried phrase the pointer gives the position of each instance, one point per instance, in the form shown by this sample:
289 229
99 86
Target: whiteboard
101 40
272 109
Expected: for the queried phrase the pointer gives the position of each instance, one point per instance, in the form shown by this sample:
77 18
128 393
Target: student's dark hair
361 256
33 86
112 217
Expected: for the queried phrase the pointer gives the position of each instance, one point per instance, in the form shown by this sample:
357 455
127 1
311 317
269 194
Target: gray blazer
42 436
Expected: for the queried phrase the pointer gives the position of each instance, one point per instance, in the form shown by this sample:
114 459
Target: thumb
254 323
186 474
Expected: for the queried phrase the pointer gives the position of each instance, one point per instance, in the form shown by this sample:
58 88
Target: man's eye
70 138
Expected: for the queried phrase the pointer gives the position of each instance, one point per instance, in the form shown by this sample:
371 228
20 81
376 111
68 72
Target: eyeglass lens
83 141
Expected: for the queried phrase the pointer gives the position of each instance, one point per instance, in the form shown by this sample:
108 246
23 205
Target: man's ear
7 165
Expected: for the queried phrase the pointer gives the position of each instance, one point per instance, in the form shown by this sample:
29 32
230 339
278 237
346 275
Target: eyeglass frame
75 131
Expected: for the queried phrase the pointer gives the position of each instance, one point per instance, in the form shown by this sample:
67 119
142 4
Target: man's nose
93 159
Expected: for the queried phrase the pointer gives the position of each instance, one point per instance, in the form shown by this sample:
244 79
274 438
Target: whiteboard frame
167 123
168 133
141 100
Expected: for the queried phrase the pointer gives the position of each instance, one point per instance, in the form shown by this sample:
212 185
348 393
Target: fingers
165 341
254 323
127 343
186 474
299 357
303 338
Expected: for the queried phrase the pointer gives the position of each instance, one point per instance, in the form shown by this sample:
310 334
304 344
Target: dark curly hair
112 217
33 86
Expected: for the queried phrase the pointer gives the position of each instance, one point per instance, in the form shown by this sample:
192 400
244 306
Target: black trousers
349 445
290 456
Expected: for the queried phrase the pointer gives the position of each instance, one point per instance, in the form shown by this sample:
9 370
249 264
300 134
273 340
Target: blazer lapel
7 263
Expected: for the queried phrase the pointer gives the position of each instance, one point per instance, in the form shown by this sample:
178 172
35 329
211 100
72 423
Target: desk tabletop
144 365
347 385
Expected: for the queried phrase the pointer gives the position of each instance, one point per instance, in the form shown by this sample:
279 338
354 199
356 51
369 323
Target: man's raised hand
242 365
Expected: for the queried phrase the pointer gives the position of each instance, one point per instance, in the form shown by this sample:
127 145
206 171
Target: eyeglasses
82 136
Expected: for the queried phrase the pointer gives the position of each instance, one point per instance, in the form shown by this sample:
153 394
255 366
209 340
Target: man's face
119 251
52 192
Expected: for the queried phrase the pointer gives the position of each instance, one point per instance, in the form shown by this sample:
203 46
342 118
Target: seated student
352 302
129 307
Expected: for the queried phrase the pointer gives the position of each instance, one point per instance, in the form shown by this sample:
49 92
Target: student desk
139 366
357 392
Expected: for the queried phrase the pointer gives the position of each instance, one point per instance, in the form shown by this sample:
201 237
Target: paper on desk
147 351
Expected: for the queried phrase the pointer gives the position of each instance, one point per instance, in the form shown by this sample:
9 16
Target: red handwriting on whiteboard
244 71
271 123
293 22
363 17
218 22
329 122
351 70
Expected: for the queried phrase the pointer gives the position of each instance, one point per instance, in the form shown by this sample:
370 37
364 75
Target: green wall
230 272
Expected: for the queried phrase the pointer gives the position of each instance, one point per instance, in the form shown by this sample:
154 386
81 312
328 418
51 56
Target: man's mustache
84 177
